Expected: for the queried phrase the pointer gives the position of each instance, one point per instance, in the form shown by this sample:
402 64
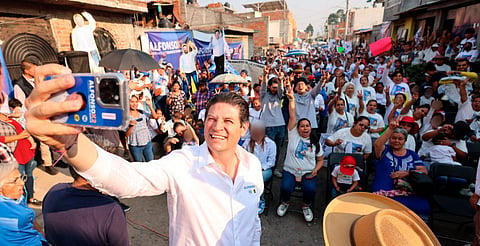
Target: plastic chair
446 199
473 154
335 159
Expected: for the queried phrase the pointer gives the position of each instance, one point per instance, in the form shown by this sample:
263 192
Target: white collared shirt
266 153
205 207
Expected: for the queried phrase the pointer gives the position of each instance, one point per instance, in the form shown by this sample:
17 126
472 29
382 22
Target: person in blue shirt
17 225
395 162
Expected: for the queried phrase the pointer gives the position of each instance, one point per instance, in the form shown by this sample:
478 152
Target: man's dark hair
470 31
176 125
27 63
430 67
202 82
273 80
424 106
13 103
233 99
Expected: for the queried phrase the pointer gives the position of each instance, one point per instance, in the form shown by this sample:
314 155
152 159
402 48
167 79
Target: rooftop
118 6
267 6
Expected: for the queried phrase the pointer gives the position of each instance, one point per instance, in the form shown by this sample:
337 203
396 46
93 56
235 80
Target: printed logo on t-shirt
356 148
352 107
373 121
366 94
341 123
398 89
344 179
302 149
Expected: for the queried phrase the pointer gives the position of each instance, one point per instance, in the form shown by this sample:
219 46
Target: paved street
289 230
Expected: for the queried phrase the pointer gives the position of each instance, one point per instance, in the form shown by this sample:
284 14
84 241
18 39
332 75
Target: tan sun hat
362 219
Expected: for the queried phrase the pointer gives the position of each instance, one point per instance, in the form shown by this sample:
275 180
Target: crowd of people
412 106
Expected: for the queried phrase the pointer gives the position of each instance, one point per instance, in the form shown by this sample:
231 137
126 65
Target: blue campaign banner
204 53
168 43
7 86
236 50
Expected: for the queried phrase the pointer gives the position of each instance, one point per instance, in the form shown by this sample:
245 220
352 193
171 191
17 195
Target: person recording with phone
138 133
213 189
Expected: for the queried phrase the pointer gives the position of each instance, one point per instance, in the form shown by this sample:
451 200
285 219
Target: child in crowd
381 97
408 123
427 97
440 153
344 176
18 114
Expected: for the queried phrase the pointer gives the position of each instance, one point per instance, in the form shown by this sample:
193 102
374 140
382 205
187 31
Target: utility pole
346 19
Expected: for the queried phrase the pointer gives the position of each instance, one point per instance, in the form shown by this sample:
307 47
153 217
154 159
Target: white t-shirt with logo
351 144
337 121
376 121
301 156
345 179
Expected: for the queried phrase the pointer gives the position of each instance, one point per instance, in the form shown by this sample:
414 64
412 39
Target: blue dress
388 163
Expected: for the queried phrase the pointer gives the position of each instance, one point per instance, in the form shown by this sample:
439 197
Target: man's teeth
218 137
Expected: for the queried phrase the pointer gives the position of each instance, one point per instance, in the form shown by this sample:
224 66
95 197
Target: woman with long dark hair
304 159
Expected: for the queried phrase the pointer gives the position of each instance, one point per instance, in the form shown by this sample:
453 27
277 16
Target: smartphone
106 101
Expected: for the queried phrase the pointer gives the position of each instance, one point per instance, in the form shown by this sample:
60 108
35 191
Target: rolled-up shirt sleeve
117 177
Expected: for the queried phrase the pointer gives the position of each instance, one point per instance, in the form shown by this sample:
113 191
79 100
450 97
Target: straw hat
361 219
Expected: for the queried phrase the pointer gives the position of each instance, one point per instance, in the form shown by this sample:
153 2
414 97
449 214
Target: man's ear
244 128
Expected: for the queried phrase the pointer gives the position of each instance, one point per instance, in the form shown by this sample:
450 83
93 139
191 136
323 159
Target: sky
304 11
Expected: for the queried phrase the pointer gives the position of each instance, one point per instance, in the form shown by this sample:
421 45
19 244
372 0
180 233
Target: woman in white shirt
338 118
352 99
377 124
303 160
264 149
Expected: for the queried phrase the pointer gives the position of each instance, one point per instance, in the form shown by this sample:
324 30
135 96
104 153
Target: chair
335 159
473 154
446 199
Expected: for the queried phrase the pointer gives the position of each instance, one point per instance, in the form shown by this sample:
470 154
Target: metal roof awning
362 30
116 6
267 6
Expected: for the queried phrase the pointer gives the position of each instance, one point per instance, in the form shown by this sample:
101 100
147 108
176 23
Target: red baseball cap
346 165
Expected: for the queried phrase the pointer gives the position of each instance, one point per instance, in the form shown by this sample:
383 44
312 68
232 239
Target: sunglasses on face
364 126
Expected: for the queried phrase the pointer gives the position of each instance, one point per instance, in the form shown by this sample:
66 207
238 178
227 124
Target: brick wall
14 26
260 37
57 25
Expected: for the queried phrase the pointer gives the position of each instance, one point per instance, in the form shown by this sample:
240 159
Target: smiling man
213 190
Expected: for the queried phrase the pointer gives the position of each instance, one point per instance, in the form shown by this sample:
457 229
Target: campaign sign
169 43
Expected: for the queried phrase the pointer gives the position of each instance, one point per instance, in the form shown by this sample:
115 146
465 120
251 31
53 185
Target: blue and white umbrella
296 53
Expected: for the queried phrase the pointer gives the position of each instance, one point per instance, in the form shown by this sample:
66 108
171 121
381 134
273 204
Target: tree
332 19
309 29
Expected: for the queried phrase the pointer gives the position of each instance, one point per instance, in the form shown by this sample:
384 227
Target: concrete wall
366 18
207 19
57 24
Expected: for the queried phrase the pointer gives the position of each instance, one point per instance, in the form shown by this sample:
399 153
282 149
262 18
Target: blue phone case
96 113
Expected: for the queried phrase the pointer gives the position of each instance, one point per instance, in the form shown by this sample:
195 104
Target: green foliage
309 29
416 73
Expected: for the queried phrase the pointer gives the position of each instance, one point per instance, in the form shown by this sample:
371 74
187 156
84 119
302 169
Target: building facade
42 28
